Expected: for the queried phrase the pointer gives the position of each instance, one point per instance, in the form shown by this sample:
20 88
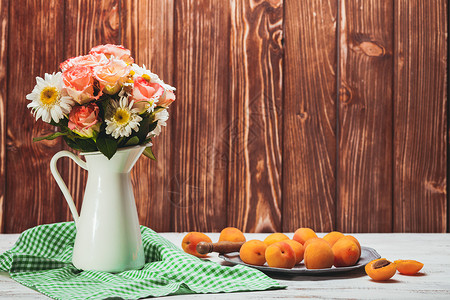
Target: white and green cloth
41 259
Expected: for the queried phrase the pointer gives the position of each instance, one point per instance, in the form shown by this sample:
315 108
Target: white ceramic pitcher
108 234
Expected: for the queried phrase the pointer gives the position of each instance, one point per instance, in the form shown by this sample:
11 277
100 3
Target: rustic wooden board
255 123
32 195
420 145
88 24
147 30
4 16
199 130
365 116
309 140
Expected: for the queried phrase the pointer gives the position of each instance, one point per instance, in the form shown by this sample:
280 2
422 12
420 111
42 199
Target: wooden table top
432 283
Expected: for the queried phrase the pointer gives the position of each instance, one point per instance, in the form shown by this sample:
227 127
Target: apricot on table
190 241
275 237
380 269
298 248
231 234
408 267
333 237
346 253
318 255
351 237
313 240
280 255
253 252
303 234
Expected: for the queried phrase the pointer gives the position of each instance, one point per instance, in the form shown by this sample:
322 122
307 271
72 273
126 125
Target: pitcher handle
60 181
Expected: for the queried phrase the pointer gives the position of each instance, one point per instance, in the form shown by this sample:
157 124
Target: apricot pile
279 251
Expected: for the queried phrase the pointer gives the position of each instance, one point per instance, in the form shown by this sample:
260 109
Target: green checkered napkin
41 259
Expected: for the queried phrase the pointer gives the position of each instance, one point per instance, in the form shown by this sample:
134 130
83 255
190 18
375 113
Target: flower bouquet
102 101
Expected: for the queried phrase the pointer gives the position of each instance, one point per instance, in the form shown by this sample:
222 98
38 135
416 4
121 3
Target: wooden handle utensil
221 247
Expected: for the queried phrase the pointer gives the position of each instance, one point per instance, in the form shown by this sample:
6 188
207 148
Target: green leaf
149 153
50 137
133 141
143 129
63 123
87 145
106 145
152 126
72 144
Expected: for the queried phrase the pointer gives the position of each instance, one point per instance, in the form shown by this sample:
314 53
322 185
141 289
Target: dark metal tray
367 255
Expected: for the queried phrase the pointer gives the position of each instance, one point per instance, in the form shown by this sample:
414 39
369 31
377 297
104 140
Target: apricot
346 253
298 249
380 269
408 267
231 234
351 237
280 255
318 255
313 240
333 237
275 237
253 252
190 241
301 235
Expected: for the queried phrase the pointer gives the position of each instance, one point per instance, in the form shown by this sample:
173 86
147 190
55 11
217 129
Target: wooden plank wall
35 46
365 116
330 114
4 8
309 140
420 115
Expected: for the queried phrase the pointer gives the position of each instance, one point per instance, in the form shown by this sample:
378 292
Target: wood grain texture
309 141
199 130
365 116
330 114
88 24
4 16
35 49
255 123
147 30
420 200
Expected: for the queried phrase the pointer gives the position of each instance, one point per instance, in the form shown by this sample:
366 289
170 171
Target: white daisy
48 100
139 71
162 117
122 118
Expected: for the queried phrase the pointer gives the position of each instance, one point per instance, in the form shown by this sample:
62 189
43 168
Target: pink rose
112 75
79 84
166 99
90 60
118 52
145 93
83 118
